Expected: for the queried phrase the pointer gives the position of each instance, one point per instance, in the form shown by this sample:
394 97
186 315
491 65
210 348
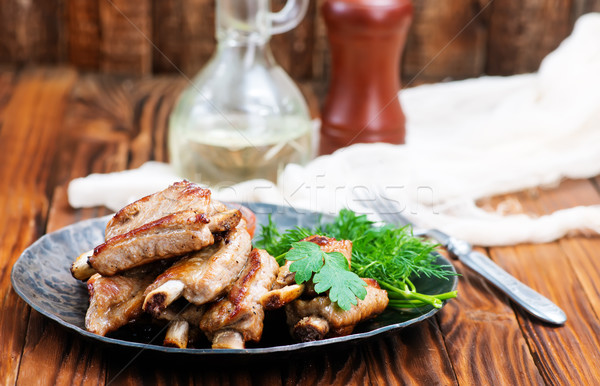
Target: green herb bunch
388 254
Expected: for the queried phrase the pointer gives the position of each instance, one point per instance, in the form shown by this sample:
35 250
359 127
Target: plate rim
209 351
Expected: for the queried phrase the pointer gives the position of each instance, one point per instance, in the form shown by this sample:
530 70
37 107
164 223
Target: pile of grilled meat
187 260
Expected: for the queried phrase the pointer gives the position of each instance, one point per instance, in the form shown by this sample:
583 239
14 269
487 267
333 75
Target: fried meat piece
80 269
238 318
183 324
329 244
180 196
285 289
279 297
169 236
202 276
305 317
310 328
117 300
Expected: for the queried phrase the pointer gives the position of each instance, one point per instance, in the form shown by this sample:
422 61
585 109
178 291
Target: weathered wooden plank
321 59
155 99
105 104
126 36
83 33
31 130
31 32
12 327
585 263
415 355
581 249
184 34
7 83
167 37
579 7
199 30
569 354
302 46
565 355
54 356
293 50
447 40
479 326
522 33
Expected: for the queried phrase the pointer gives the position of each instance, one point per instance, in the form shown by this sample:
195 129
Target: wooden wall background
449 39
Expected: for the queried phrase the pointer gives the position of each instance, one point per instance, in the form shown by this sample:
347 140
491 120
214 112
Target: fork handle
530 300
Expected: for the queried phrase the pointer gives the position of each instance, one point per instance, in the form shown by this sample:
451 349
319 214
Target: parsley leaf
331 273
344 286
307 258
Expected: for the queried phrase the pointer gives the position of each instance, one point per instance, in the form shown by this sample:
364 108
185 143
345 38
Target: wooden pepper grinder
366 38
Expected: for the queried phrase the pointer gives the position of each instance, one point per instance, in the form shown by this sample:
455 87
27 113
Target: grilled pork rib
169 236
178 197
306 317
183 324
279 297
80 269
285 289
327 244
202 276
238 318
117 300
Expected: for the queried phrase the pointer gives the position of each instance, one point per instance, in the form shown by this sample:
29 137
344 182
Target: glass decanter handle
289 17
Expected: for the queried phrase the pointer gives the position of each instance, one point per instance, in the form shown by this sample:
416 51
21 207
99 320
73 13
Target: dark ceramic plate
42 278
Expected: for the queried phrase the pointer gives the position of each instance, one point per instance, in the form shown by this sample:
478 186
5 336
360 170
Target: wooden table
57 124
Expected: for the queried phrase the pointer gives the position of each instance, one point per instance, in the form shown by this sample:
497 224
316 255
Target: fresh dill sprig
277 244
388 254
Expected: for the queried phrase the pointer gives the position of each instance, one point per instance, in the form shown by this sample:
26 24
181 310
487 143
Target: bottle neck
242 22
244 53
242 37
235 38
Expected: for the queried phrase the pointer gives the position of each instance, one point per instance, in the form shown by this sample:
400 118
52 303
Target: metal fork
531 301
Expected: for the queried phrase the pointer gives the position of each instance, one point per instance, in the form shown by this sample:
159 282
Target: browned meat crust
117 300
169 236
278 298
340 322
183 324
281 295
311 328
239 316
166 237
203 275
180 196
329 244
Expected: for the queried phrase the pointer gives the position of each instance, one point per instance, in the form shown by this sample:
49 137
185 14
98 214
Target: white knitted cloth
466 140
